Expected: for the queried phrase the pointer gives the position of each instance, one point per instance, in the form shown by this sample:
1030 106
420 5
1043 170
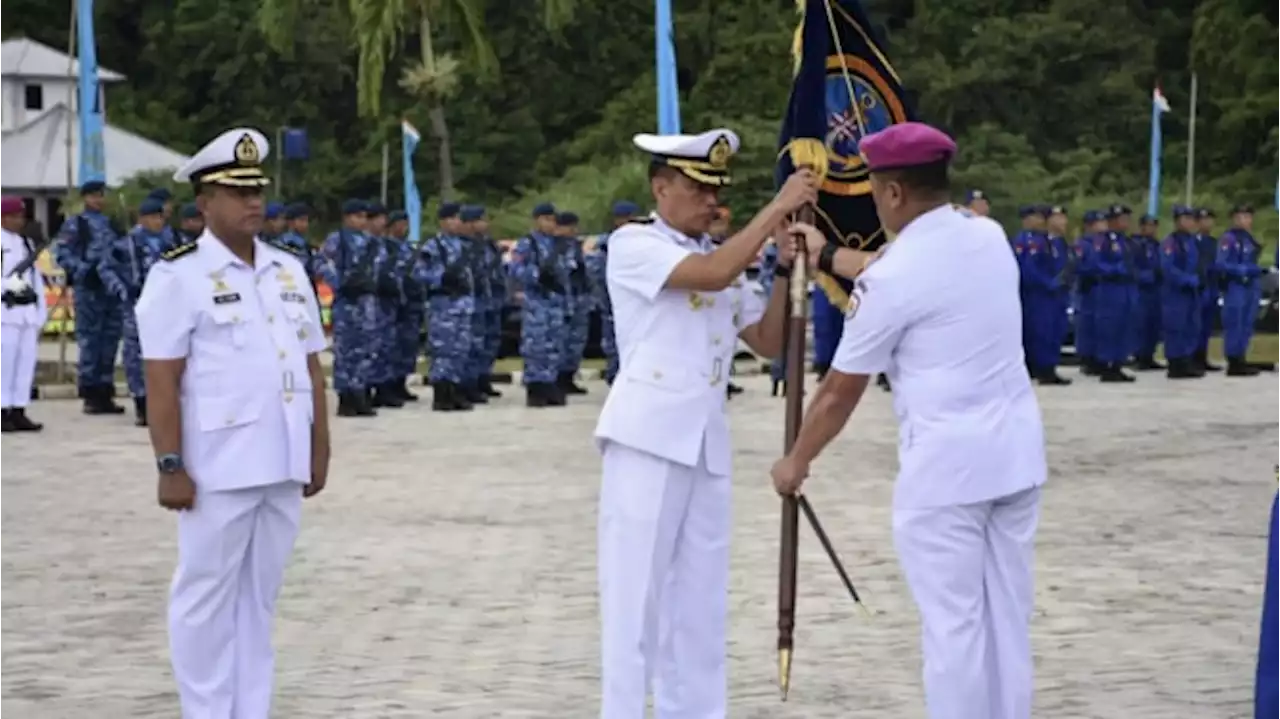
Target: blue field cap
274 210
566 219
160 193
1091 216
93 187
1183 211
625 208
151 206
374 209
294 210
189 211
353 207
397 215
1148 218
1029 210
448 209
471 213
1118 210
972 195
1204 212
542 209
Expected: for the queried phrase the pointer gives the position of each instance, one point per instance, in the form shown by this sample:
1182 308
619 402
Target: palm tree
376 29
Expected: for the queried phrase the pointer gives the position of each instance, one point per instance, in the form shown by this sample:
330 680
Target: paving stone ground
448 571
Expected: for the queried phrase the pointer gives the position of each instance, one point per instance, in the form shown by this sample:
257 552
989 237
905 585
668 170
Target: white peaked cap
233 158
703 158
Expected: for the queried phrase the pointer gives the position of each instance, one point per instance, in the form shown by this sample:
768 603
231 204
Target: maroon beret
906 144
10 205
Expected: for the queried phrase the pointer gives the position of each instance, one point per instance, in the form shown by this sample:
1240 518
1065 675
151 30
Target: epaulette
182 250
640 221
287 248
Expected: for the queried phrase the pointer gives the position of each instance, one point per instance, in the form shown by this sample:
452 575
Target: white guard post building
41 133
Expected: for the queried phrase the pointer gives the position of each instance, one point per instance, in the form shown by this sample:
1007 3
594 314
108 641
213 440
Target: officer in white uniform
22 316
938 311
230 332
679 306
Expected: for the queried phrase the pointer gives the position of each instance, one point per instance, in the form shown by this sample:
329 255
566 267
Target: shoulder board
182 250
640 221
285 248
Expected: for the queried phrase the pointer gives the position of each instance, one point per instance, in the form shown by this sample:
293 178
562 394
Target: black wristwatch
827 258
783 271
169 463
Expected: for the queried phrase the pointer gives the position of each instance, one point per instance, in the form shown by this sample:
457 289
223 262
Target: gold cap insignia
720 152
247 151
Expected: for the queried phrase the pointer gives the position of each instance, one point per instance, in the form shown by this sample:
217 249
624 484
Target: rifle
25 295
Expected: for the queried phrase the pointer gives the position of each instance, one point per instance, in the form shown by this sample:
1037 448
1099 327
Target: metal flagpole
60 313
1191 142
280 162
386 169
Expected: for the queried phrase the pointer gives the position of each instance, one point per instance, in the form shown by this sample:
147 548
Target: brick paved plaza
448 571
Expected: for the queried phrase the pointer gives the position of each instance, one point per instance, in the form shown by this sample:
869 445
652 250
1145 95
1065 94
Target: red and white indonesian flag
1158 99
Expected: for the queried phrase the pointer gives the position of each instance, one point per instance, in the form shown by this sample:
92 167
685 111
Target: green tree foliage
1049 99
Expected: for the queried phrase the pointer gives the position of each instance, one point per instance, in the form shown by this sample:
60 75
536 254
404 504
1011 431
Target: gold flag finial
784 672
811 153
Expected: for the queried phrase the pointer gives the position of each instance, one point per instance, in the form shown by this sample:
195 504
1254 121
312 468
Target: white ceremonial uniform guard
938 312
22 316
679 306
230 332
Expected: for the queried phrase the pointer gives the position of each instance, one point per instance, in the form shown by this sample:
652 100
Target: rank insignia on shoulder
286 248
640 221
855 301
182 250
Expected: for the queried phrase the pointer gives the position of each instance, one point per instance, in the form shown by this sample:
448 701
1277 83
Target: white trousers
664 571
18 347
970 571
232 551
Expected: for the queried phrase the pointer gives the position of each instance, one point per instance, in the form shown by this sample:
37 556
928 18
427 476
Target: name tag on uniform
293 297
226 299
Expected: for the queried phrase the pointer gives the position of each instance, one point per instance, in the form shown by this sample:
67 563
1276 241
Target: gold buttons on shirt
715 341
230 421
271 319
282 354
657 374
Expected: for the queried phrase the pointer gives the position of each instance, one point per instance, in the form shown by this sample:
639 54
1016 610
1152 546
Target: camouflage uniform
578 314
349 257
446 272
541 274
81 248
129 261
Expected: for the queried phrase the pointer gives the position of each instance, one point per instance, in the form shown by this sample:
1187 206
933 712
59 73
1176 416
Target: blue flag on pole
295 145
844 89
1159 106
412 200
93 154
1266 690
668 86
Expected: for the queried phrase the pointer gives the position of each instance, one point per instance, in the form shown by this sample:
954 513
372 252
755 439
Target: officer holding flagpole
680 307
971 449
